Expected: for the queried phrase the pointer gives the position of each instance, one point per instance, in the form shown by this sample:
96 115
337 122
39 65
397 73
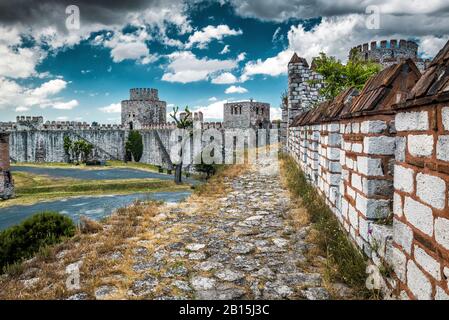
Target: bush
24 240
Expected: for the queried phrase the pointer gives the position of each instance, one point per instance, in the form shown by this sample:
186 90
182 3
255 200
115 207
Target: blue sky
199 54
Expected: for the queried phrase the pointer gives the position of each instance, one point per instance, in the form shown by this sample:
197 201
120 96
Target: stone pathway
241 246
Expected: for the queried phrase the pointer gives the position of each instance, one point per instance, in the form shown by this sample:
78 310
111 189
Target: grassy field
32 188
109 165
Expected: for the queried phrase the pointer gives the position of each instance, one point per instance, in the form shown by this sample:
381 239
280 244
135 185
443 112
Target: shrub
24 240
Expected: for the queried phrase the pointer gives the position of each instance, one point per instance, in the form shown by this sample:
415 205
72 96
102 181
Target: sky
199 54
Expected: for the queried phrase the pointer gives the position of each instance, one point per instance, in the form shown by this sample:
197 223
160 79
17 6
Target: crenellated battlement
392 44
144 94
389 52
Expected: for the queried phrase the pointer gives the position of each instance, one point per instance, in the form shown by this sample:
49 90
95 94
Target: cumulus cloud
273 66
65 105
235 89
213 99
207 34
213 111
185 67
225 78
20 98
112 108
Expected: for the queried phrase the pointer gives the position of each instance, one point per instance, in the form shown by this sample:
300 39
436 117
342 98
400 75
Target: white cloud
49 88
431 45
235 89
273 66
275 113
224 78
209 33
63 118
20 98
20 63
214 111
185 67
65 105
22 109
213 99
225 49
112 108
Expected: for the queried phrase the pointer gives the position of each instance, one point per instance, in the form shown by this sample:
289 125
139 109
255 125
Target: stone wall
380 159
6 181
421 209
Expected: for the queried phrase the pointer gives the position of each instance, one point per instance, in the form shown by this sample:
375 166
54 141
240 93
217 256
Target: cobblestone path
241 246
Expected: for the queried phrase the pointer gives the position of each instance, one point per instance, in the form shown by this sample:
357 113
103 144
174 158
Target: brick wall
380 159
421 210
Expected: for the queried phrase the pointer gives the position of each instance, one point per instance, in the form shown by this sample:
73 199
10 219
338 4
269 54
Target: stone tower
303 91
143 109
6 181
246 114
389 52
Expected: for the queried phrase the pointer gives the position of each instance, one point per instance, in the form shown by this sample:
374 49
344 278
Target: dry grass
342 262
119 234
136 226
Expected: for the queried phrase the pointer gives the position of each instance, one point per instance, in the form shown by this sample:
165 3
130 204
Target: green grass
33 188
109 165
345 262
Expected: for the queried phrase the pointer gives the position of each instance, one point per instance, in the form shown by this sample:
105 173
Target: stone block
373 126
427 262
353 217
445 117
401 143
442 232
412 121
382 145
356 181
357 147
369 166
398 261
431 190
372 208
420 145
443 148
403 179
397 205
417 282
374 187
419 215
403 235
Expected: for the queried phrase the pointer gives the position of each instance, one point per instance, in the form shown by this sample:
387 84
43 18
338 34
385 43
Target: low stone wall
370 168
421 210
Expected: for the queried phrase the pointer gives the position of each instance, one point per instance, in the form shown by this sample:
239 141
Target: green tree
339 77
68 145
134 145
82 149
181 123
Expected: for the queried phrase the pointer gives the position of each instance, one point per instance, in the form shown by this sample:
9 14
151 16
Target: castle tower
389 52
143 109
302 94
246 114
6 181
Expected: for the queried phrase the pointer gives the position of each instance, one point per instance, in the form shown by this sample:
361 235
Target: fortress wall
392 143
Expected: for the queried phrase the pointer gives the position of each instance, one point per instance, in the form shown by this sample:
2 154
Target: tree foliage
77 149
185 122
134 145
339 77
